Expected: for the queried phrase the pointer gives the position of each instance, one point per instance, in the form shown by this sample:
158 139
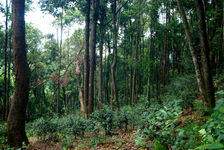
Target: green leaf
215 146
210 139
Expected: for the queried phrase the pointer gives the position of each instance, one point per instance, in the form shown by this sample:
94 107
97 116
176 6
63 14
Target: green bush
125 117
42 128
160 123
101 119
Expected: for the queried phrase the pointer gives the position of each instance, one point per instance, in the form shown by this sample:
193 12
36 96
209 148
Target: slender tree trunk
101 54
192 50
134 91
4 114
93 56
149 75
78 75
173 55
114 64
207 74
86 59
17 115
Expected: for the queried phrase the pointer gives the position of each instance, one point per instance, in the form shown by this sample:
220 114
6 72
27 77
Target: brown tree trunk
78 75
93 56
192 50
134 91
207 74
102 15
86 59
108 73
149 75
17 115
114 64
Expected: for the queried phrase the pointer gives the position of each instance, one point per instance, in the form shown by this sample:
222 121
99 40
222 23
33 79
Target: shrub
160 123
102 119
43 127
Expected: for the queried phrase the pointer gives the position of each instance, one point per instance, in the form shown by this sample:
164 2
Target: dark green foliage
3 138
213 129
67 125
185 88
42 128
102 119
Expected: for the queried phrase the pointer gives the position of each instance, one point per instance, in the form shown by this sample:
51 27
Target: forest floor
118 140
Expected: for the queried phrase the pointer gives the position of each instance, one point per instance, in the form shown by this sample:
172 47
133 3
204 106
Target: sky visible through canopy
39 19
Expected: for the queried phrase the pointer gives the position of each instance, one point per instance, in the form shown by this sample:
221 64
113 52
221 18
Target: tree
86 59
192 49
204 76
207 75
114 64
93 56
17 115
102 18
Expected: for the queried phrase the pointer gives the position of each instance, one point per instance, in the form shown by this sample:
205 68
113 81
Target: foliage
102 119
185 88
3 139
43 128
213 129
160 124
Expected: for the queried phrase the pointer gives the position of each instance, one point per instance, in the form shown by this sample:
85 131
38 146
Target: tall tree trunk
114 64
207 74
108 72
93 56
17 115
86 59
4 114
192 50
134 91
149 75
102 15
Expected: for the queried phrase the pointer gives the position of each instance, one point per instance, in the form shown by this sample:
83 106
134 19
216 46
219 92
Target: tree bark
93 56
17 115
102 15
149 75
134 91
207 74
78 75
86 57
192 50
114 64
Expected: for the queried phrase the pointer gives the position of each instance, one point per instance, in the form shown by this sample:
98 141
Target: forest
113 74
